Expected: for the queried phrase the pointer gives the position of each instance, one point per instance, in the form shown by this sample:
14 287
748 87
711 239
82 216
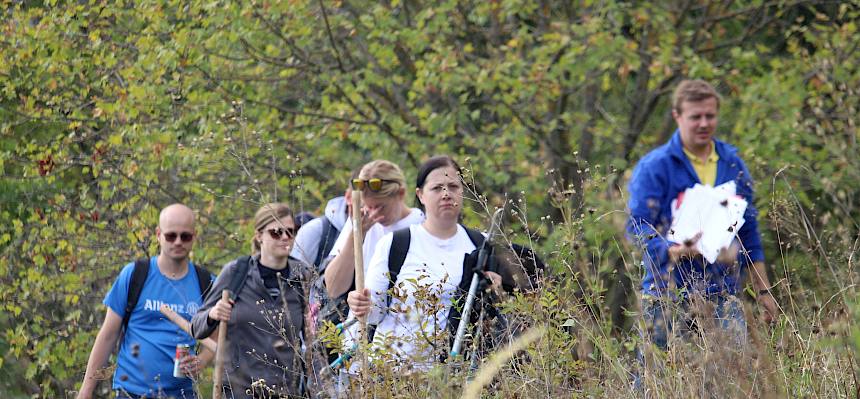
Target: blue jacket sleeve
647 223
748 235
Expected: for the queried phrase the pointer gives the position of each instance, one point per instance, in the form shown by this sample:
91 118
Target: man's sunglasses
277 233
184 237
372 184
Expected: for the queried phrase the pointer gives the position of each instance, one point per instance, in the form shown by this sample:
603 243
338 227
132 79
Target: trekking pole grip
218 373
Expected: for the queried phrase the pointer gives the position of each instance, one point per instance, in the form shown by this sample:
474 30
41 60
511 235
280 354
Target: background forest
110 110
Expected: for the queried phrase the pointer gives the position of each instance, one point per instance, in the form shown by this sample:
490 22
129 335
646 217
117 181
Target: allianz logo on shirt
188 309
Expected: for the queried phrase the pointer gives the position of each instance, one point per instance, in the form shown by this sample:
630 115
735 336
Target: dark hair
439 161
303 217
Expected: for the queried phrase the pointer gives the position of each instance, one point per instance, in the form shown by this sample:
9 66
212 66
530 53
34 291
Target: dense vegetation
111 109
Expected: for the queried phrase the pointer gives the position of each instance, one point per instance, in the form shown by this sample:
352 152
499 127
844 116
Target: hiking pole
341 359
483 256
218 374
338 328
473 364
184 325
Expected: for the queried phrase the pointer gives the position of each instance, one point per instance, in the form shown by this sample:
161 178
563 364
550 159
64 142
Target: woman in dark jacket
265 317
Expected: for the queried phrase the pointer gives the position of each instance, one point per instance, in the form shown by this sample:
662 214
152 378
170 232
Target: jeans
666 319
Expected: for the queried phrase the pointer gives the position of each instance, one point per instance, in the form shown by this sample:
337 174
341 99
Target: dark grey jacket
263 335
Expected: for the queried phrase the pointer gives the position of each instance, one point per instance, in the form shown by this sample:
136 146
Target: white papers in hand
716 212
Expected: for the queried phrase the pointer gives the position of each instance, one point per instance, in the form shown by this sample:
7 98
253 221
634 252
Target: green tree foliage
110 110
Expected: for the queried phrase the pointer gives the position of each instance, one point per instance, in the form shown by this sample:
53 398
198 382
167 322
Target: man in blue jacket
676 273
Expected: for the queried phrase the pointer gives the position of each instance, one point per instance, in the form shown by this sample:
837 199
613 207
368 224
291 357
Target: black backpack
400 247
397 255
138 278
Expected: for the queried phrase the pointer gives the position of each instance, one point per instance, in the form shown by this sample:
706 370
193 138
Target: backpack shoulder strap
238 280
468 264
476 237
397 254
135 286
204 281
327 239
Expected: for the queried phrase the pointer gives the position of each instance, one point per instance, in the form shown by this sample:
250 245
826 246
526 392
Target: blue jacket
657 180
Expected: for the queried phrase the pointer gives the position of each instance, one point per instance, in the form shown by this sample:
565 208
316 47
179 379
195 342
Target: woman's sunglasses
372 184
184 237
280 231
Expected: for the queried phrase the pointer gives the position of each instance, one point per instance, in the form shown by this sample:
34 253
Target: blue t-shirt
145 359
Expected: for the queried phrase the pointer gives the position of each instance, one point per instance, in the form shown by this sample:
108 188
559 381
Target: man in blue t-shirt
146 355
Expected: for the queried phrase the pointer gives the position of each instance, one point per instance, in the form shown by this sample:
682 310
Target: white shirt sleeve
376 279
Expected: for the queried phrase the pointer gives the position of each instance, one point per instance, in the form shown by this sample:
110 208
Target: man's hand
769 311
190 365
688 250
728 256
84 395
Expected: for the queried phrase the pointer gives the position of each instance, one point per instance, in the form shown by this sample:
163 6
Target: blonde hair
693 91
386 170
268 213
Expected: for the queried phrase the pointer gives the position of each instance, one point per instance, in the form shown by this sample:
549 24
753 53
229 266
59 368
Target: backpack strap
476 237
204 281
238 280
397 254
135 286
327 240
469 264
400 247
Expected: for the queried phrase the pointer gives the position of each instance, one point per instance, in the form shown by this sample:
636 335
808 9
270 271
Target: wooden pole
358 249
183 324
218 374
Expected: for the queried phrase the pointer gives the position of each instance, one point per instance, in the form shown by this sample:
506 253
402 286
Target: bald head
176 213
176 231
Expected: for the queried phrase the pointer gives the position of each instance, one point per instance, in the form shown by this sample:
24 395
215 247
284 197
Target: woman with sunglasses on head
383 189
265 317
433 269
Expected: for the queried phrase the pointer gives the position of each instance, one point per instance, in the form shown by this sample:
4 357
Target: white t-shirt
374 234
433 268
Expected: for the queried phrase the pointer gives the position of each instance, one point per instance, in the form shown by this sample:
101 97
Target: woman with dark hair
412 319
265 317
